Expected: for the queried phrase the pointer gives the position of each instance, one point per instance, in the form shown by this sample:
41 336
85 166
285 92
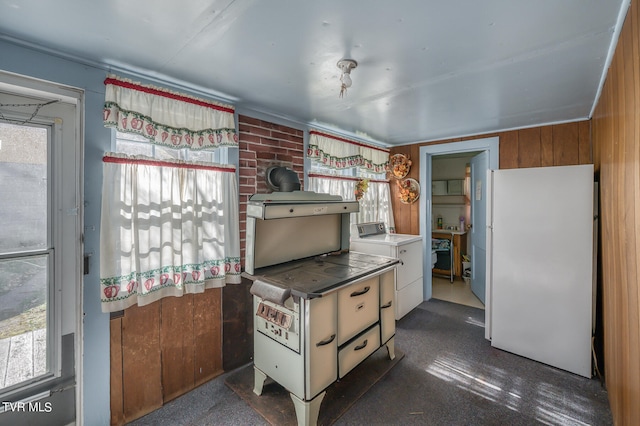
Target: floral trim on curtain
342 153
168 228
375 204
167 118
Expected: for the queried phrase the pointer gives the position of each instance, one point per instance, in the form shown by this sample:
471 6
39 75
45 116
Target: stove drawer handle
326 342
362 346
360 293
388 305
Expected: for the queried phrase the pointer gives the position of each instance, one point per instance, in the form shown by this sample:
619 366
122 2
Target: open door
541 264
491 147
478 197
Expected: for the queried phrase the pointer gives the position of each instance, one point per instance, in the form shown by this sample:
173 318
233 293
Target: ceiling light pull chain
18 122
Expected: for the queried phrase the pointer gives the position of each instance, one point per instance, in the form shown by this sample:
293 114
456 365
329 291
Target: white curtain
168 228
375 205
341 153
167 118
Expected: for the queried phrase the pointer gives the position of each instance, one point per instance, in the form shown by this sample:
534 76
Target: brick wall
263 144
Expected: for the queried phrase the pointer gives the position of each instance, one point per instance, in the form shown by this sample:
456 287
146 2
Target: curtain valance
347 178
167 228
167 118
342 153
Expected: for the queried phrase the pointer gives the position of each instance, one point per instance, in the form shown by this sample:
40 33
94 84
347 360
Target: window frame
54 285
355 173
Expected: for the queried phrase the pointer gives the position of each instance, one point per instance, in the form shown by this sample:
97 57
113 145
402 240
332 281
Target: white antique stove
320 310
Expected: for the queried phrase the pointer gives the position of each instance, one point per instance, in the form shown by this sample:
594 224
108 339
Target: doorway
40 250
427 153
452 215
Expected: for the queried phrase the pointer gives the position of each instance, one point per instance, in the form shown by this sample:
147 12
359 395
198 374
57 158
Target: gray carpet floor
450 375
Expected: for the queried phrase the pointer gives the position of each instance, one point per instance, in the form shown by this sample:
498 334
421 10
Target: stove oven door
358 308
321 344
358 350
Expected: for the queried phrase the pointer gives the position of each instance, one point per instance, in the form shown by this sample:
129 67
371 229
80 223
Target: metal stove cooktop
312 277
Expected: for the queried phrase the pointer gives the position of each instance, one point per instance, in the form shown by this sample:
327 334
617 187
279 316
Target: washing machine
372 238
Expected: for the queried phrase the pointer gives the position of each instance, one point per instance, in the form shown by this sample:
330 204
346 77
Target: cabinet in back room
452 266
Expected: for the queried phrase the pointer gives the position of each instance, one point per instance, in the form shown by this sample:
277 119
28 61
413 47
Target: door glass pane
23 188
23 319
24 276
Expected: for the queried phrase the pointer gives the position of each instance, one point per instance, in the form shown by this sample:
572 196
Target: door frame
491 145
73 133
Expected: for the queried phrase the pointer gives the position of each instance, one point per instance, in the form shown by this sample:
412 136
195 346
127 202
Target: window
169 222
172 217
375 204
132 144
40 228
331 172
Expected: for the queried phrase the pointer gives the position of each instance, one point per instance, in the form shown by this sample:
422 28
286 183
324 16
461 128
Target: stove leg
258 381
391 348
307 411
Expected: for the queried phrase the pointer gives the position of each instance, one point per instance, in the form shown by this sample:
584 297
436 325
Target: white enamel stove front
308 345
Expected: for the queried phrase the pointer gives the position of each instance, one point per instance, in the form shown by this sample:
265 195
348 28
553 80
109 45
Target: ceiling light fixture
346 65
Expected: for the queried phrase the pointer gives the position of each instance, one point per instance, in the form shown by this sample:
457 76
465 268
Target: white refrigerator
540 264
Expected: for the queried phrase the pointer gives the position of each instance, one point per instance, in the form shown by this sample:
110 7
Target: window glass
134 148
162 153
204 156
132 144
375 204
24 253
23 187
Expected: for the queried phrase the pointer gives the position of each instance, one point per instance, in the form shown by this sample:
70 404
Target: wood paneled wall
237 329
163 350
554 145
616 140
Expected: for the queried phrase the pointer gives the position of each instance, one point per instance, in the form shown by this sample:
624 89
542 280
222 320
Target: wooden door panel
115 349
207 328
177 345
142 372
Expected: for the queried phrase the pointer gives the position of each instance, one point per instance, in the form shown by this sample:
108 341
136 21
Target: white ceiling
428 69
